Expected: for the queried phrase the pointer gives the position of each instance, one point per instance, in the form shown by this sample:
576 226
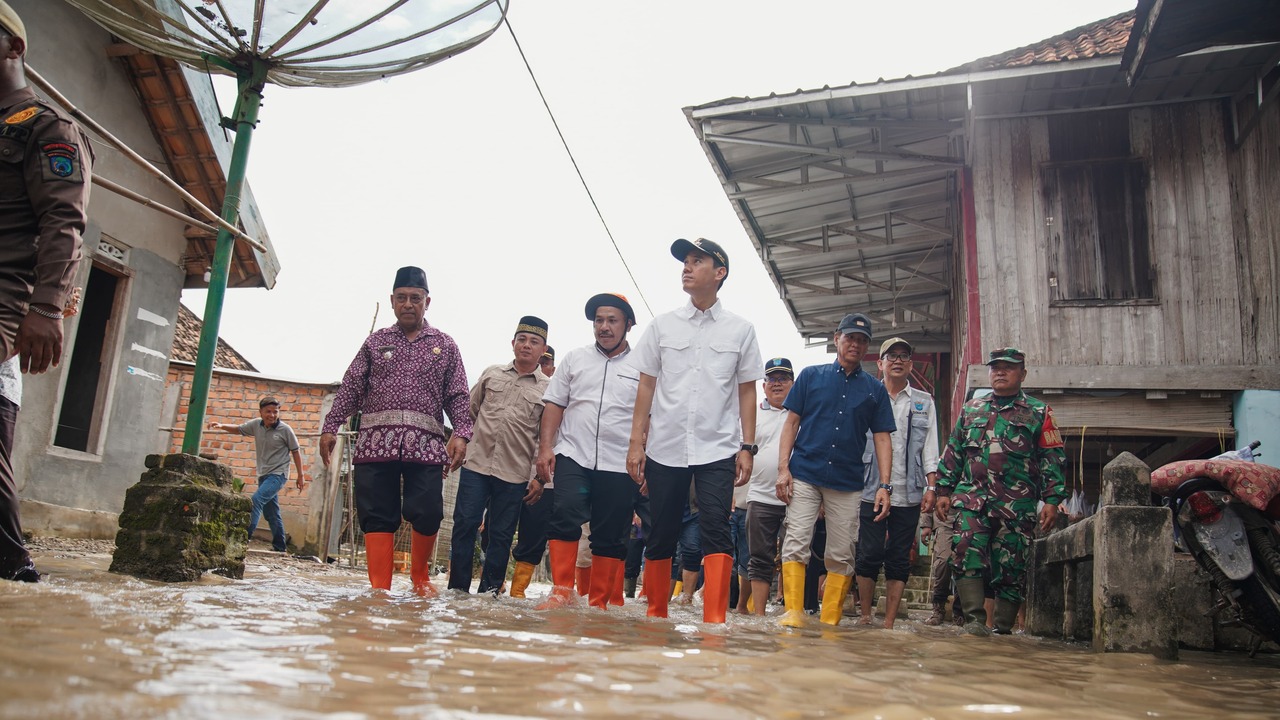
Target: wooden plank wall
1255 217
1215 226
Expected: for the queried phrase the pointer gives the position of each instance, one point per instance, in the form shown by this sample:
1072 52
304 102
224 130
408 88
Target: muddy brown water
298 640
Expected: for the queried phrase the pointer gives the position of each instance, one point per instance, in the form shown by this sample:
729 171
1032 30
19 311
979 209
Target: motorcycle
1225 510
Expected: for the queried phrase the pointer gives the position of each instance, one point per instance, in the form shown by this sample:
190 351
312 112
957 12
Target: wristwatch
887 488
931 488
753 449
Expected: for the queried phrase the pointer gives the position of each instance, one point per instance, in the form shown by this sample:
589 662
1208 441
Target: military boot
972 602
629 587
939 613
1005 615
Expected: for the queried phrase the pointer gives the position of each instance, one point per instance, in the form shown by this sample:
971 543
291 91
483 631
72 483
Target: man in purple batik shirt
402 382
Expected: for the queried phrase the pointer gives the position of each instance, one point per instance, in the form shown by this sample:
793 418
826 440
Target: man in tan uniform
45 167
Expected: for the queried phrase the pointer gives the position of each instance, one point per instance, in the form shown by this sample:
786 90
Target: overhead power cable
585 186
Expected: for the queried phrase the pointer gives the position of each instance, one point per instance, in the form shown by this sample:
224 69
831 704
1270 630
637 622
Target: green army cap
1009 355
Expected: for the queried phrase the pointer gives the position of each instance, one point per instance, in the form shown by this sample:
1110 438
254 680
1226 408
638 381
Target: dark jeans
689 547
13 553
475 492
604 499
531 536
378 494
764 526
668 494
266 504
893 554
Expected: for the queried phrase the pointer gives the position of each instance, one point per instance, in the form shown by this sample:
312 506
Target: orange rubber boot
378 551
657 585
420 564
718 571
615 583
603 570
584 580
564 556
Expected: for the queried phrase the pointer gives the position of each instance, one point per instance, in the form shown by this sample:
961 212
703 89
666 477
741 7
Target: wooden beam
1136 377
835 152
783 188
944 232
849 122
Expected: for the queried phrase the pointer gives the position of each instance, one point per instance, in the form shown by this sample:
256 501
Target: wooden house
1108 200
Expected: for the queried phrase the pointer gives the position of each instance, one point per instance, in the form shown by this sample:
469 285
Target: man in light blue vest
886 543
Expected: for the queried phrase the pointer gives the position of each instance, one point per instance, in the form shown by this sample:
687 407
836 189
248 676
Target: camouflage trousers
995 536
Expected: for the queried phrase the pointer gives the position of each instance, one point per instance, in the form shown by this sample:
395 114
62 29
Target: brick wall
233 398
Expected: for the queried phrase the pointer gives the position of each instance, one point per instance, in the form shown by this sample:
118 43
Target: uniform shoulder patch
62 161
1050 436
23 115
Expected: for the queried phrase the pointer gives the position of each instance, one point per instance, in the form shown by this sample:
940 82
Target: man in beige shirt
506 404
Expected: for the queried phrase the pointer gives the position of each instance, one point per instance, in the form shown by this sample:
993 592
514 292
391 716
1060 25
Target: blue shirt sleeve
795 398
882 420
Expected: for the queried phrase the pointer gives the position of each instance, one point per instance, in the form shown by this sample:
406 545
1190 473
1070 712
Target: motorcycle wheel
1260 598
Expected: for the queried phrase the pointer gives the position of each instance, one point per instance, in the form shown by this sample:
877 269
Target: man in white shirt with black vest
694 422
913 474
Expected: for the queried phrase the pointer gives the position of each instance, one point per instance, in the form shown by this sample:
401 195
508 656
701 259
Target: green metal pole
250 81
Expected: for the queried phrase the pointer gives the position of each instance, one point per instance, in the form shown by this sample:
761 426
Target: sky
457 168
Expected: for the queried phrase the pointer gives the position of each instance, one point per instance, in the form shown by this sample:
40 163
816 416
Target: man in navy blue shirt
820 465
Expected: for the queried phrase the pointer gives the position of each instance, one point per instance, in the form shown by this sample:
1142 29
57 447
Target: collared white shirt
908 407
598 394
699 359
764 472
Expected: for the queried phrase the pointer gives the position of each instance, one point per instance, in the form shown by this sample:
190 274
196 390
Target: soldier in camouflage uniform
1003 456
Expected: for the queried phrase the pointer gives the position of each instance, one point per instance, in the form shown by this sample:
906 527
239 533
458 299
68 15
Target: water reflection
300 641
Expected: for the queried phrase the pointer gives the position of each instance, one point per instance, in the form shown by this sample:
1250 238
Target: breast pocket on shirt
622 387
675 355
722 360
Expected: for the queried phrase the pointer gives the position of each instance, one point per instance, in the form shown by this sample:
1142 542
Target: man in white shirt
765 512
694 422
583 445
887 542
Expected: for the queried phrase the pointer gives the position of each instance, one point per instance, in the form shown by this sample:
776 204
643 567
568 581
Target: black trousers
604 499
378 493
668 492
531 533
817 565
638 541
886 543
13 553
764 527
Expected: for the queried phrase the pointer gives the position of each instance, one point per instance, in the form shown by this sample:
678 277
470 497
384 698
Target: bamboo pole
165 209
118 144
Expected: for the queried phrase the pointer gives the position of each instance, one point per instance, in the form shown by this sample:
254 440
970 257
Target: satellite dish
295 43
302 43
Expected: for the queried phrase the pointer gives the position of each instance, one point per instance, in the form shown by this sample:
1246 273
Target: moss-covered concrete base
181 519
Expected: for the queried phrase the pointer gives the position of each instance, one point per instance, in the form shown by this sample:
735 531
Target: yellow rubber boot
520 578
833 597
793 593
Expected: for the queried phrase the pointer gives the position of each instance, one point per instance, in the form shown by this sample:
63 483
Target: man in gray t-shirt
274 442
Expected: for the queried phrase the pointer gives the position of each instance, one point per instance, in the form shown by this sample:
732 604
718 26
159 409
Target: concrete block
1126 480
1133 603
181 519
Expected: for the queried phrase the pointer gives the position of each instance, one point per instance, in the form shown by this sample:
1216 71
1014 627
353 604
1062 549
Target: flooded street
297 640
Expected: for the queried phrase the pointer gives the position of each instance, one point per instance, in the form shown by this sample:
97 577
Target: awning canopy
849 194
